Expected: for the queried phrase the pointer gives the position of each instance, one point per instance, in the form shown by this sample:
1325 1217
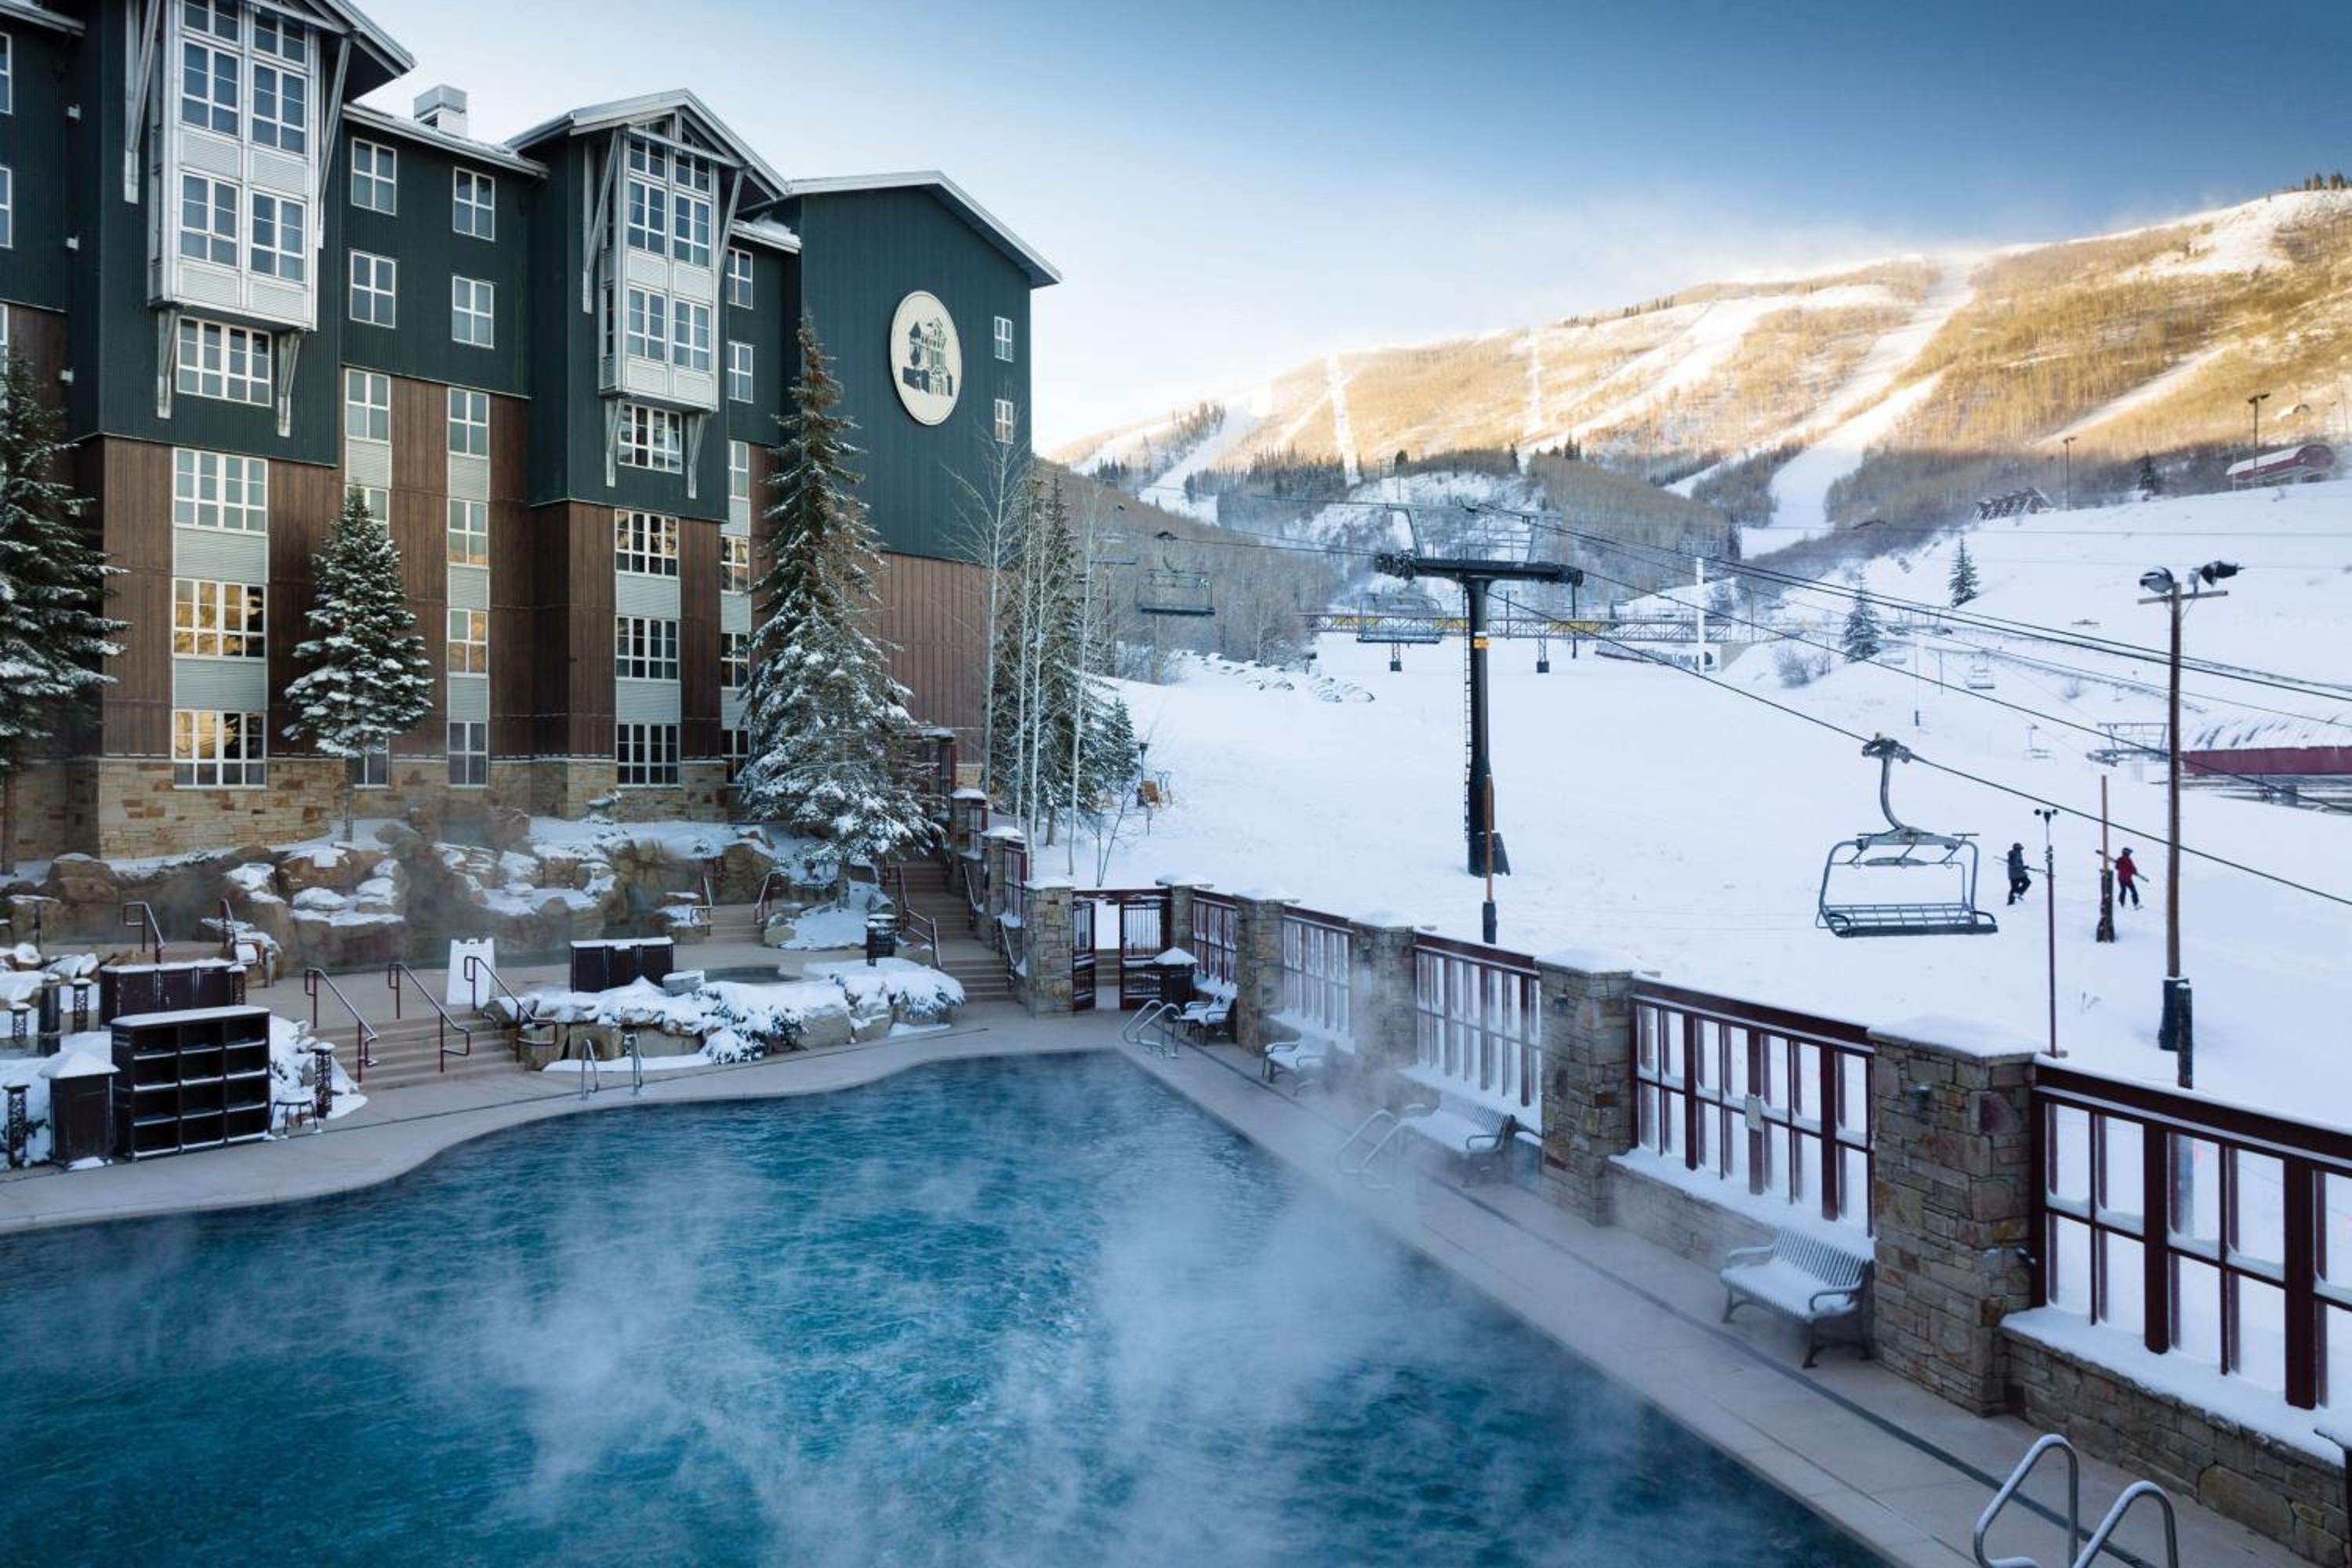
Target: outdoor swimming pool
1031 1312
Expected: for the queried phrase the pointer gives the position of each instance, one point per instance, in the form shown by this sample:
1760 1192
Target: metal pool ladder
1378 1132
1150 1029
2052 1441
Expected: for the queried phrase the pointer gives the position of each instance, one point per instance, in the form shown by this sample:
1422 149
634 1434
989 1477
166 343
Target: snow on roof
390 124
651 106
767 231
1175 955
968 793
1592 960
77 1064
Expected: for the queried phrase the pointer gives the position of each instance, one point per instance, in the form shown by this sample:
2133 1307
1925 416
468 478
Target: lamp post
2255 403
2069 444
2176 1032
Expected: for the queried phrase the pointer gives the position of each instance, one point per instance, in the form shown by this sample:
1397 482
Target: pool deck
1889 1463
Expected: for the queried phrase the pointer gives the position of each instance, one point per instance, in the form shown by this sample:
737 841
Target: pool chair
1304 1061
1209 1018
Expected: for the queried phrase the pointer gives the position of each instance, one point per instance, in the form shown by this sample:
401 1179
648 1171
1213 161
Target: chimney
444 109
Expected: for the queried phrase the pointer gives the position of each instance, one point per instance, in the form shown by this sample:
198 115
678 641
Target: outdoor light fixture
1922 1096
2214 571
2159 582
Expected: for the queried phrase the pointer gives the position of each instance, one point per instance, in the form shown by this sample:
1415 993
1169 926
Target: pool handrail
314 977
2044 1443
393 972
759 905
2108 1526
144 923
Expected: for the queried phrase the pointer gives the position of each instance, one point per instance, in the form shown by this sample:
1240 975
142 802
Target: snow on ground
2154 391
1343 432
1801 490
1237 417
1649 811
2244 238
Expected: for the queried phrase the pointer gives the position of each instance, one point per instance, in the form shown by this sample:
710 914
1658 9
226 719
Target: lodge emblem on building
926 359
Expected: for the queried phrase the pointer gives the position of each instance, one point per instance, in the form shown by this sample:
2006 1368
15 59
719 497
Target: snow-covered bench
1475 1133
1805 1279
1306 1060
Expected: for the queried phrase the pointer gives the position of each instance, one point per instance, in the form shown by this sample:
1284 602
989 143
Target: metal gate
1142 937
1082 956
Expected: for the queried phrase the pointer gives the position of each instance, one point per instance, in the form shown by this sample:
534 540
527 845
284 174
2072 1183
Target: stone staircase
407 1051
980 971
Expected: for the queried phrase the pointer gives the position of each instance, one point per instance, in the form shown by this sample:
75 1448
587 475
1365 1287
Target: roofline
620 111
397 61
417 131
1042 272
40 16
776 238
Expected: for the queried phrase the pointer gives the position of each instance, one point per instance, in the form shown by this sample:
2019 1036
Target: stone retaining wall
1684 1225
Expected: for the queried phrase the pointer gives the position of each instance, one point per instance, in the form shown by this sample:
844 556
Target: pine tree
1963 577
368 678
829 727
2152 483
53 627
1863 637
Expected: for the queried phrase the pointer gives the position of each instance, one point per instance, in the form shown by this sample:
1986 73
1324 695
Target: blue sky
1231 189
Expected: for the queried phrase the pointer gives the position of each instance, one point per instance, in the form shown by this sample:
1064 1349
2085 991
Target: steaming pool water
1028 1312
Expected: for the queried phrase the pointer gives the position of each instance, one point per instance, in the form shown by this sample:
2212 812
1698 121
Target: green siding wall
36 142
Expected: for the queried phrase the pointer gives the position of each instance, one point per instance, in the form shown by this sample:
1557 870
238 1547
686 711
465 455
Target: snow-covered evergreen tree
1963 577
53 626
367 678
1863 636
830 735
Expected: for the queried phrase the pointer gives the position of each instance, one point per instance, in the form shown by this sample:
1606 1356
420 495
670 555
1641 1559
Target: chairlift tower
1476 547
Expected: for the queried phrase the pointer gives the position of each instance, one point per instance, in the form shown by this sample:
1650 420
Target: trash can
1174 968
81 1107
881 935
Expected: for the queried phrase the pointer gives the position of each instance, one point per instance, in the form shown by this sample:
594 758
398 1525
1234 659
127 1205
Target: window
208 86
734 564
217 489
278 250
739 470
373 289
216 620
469 752
644 648
738 372
208 219
690 226
689 341
376 502
376 178
669 202
474 205
1006 428
281 102
735 746
738 278
228 362
369 770
644 542
280 37
469 534
469 422
7 75
367 405
650 438
734 661
646 754
472 315
215 18
648 327
211 749
648 200
1004 339
470 642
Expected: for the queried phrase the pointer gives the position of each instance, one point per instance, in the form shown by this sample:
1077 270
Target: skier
2126 880
2019 881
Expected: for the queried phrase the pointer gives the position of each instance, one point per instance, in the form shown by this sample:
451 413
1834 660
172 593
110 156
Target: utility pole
2176 1032
2049 916
1919 673
2069 444
1698 577
2107 928
2255 403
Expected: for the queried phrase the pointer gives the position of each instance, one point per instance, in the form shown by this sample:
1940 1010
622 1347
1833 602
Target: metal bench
1477 1134
1305 1060
1207 1018
1806 1280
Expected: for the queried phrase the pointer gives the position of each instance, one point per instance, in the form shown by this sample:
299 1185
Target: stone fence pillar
998 897
1045 940
1588 1046
1179 930
1952 1199
1258 966
1380 993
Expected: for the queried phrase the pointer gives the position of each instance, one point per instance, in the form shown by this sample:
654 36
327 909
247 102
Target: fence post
1380 993
1178 932
1952 1201
997 898
1588 1050
1258 966
1045 946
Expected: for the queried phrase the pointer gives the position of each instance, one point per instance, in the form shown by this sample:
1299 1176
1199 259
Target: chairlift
1981 672
1399 615
1919 883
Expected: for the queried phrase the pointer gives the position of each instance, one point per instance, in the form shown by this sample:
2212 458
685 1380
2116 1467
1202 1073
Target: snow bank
917 993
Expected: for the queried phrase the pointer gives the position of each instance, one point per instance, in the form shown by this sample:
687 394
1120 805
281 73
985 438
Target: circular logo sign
926 359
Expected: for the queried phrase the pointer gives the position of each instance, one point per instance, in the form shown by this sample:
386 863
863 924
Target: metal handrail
393 974
760 905
974 901
2108 1526
2044 1443
147 914
475 968
311 980
228 924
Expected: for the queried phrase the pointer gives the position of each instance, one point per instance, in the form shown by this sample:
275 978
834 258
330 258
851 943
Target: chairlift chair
1169 590
1981 672
1938 891
1399 615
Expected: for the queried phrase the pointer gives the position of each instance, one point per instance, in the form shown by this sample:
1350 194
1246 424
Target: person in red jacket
2126 880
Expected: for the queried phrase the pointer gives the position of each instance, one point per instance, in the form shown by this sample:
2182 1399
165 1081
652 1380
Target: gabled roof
386 124
652 106
375 47
1041 272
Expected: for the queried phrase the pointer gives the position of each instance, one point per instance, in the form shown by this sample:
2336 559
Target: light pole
2255 403
2069 444
2176 1032
2049 916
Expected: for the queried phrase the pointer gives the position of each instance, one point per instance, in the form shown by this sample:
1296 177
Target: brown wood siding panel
572 618
509 448
697 638
40 337
131 484
420 436
931 614
420 531
304 503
